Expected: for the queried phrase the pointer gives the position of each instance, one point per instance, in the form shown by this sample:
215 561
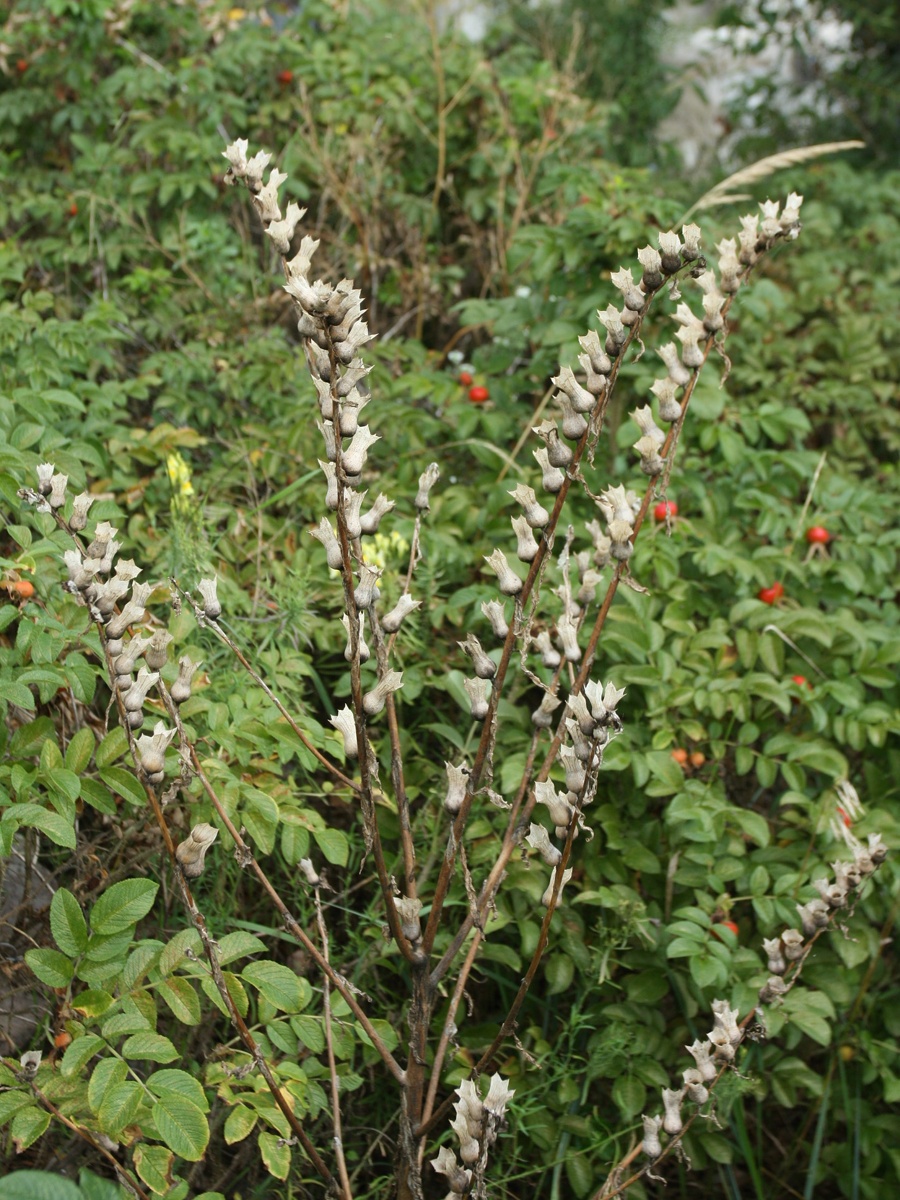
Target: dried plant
544 624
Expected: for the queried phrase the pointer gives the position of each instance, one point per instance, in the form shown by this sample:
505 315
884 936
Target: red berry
698 758
769 595
665 508
801 681
818 535
22 65
465 379
73 209
680 755
285 77
478 395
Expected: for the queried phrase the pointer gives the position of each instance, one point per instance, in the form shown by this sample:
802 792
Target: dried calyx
192 851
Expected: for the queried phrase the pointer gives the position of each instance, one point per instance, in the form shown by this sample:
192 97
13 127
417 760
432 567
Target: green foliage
145 350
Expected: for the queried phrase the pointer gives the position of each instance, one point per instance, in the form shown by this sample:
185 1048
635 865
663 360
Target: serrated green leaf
123 905
239 1124
139 962
151 1046
107 1073
178 993
51 967
235 989
104 947
154 1166
122 1023
310 1032
275 1155
79 1052
11 1102
239 944
278 984
67 923
27 1126
120 1105
334 845
176 949
180 1082
181 1125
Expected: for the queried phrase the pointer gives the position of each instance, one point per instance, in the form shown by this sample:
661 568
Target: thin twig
338 1140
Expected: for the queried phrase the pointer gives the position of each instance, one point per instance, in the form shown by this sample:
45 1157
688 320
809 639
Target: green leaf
647 987
236 991
93 1003
275 1155
630 1095
51 967
123 905
65 783
38 1185
27 1126
181 1083
67 923
181 1125
57 828
120 1105
279 985
98 796
240 1123
151 1046
334 845
112 747
684 947
108 1073
79 1052
11 1102
310 1032
154 1165
17 693
124 784
559 970
176 949
95 1188
755 826
239 944
707 970
178 993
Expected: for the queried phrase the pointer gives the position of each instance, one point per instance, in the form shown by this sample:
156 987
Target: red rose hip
479 394
770 594
665 508
818 535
